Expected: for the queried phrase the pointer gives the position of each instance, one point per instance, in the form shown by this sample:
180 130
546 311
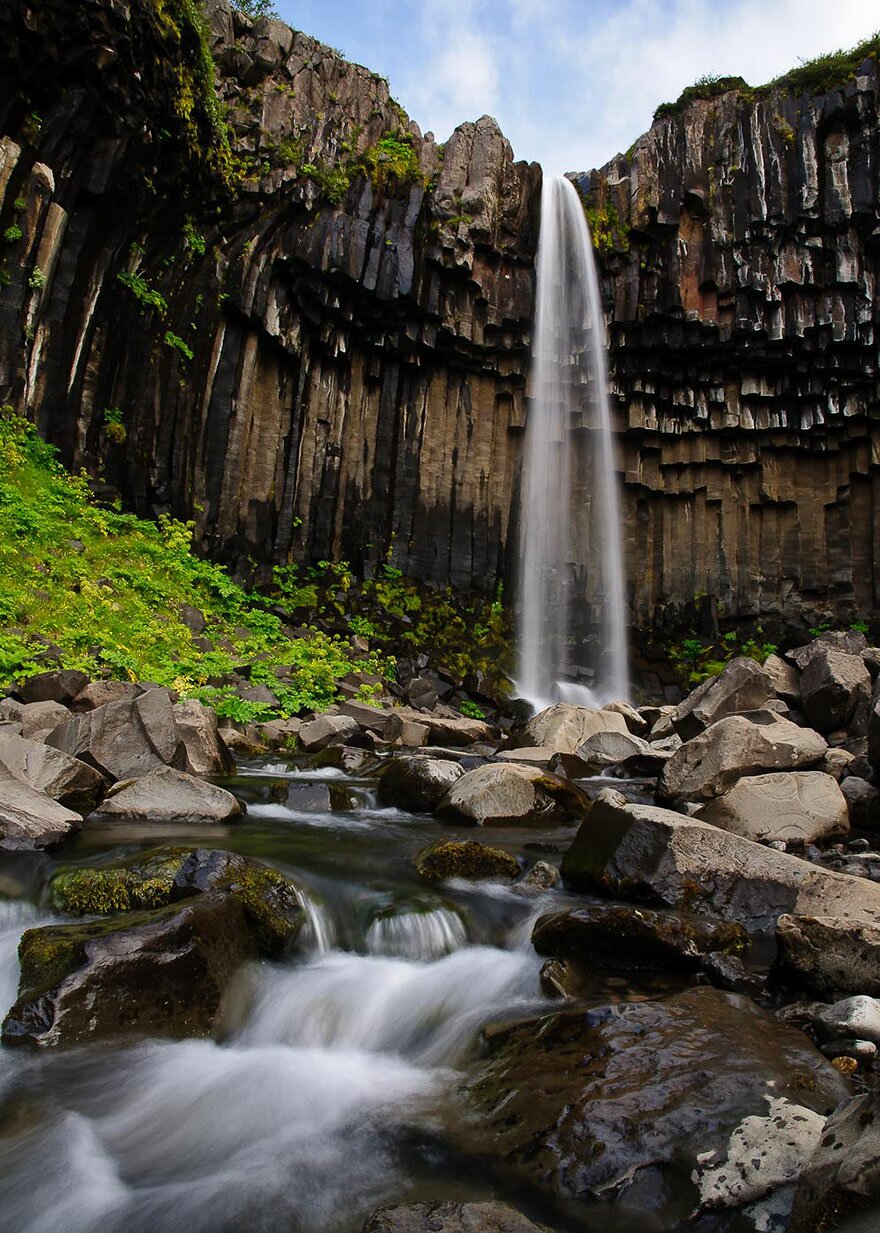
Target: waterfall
571 572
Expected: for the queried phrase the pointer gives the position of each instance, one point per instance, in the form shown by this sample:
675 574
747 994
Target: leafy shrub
143 292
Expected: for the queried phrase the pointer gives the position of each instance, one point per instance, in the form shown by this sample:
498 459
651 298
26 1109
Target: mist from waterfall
571 574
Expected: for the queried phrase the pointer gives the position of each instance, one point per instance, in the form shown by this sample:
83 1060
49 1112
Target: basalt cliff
310 332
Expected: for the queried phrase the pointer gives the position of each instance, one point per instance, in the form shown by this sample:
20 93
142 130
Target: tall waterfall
571 573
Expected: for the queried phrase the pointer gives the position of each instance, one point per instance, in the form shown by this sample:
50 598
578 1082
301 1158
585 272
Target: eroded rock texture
359 353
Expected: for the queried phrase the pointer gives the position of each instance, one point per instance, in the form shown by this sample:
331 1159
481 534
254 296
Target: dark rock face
614 1103
357 380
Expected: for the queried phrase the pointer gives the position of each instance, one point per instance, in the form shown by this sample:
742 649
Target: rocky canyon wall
315 341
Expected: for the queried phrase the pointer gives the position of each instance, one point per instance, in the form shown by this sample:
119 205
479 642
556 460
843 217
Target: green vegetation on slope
812 77
102 591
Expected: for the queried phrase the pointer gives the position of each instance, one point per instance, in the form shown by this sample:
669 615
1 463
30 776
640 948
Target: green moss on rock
144 883
454 858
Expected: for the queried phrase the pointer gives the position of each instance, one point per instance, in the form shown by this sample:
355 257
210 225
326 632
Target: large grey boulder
564 727
652 1104
644 852
48 770
843 1175
743 686
37 719
509 794
493 1217
145 974
848 641
829 954
206 751
792 806
327 730
125 739
785 677
833 685
417 784
167 795
99 693
31 819
711 763
604 749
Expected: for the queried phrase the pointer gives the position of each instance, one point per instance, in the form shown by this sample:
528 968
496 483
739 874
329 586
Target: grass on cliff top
106 589
811 77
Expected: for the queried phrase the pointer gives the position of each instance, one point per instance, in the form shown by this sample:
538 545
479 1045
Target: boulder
167 795
832 686
99 693
843 1175
145 974
417 784
142 883
315 797
836 763
370 718
848 641
854 1017
491 1217
48 770
57 686
456 730
793 806
635 722
647 853
405 731
31 819
563 727
206 751
281 733
458 858
785 678
528 755
421 693
830 955
651 1104
743 686
711 763
125 739
507 794
863 802
610 749
38 719
619 936
327 730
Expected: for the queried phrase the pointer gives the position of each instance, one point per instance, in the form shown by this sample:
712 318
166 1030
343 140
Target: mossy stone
458 858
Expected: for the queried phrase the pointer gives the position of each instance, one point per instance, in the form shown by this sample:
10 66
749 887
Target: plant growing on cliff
13 233
256 9
113 425
145 295
177 343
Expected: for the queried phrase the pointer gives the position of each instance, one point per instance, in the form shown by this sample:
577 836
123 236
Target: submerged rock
416 783
797 807
167 795
459 858
646 1103
158 974
509 794
491 1217
856 1017
653 854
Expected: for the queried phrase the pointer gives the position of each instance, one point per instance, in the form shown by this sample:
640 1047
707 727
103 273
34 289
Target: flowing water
338 1074
571 575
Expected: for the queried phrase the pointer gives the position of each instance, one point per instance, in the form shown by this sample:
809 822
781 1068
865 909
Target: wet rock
327 730
793 806
346 758
564 727
614 1103
143 883
828 955
167 795
647 853
843 1174
491 1217
206 751
863 803
319 797
417 784
540 878
857 1017
271 902
124 739
510 795
159 974
457 858
619 936
743 686
710 764
64 779
31 819
59 686
862 1051
832 686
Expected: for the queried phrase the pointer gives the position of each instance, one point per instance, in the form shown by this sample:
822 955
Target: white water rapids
571 571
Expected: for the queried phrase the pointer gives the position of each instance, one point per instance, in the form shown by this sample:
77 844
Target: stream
337 1073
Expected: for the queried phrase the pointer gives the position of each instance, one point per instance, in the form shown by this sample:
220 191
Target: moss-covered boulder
457 858
145 882
162 973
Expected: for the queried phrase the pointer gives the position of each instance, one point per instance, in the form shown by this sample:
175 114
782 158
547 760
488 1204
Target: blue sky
571 83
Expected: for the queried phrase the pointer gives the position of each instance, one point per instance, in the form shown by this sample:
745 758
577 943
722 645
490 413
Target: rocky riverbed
390 968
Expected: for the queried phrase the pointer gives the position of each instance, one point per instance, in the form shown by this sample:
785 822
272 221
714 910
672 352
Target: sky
571 83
